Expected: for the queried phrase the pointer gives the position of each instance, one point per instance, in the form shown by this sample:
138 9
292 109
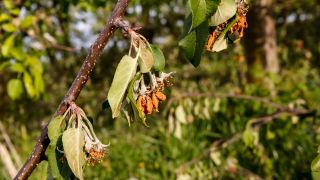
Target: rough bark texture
79 82
261 41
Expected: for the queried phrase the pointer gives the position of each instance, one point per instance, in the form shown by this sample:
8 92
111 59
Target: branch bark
79 82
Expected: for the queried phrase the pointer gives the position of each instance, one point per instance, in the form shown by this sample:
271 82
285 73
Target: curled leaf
124 73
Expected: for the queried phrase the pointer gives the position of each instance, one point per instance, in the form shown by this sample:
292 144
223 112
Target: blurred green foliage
201 132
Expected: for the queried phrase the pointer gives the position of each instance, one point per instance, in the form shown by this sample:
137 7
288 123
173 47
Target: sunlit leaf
28 84
73 144
226 10
8 27
14 88
124 73
7 45
26 22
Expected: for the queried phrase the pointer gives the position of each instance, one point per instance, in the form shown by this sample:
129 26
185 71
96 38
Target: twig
75 89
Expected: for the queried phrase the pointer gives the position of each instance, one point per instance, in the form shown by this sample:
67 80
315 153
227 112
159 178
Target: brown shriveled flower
95 155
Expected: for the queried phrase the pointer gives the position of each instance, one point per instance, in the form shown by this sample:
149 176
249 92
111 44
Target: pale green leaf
159 59
7 45
73 144
226 10
28 84
146 59
220 44
199 10
14 88
55 127
124 73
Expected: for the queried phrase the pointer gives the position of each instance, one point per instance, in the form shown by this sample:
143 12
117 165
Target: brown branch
82 77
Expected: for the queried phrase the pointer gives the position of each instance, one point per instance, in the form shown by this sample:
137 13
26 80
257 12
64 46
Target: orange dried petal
149 107
155 101
160 96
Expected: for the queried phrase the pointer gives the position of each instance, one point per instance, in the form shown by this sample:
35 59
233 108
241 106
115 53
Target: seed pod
141 103
155 102
149 107
160 96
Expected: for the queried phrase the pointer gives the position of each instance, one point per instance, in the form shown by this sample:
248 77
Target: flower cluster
149 96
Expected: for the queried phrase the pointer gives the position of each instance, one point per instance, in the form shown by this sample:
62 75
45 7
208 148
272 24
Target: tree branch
82 77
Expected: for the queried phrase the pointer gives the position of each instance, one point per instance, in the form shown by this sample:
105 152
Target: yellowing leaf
14 88
28 83
146 59
73 144
226 10
124 73
7 45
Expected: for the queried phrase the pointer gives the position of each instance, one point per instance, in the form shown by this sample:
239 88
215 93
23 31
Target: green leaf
39 83
193 44
124 73
18 53
212 6
199 10
17 67
220 44
138 113
146 59
58 166
8 27
250 137
315 165
56 127
226 10
28 84
7 45
14 88
4 17
159 59
73 144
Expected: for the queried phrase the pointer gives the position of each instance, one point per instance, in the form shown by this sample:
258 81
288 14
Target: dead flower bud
141 103
155 101
160 96
149 107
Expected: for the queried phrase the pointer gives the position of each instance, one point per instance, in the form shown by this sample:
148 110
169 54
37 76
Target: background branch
82 77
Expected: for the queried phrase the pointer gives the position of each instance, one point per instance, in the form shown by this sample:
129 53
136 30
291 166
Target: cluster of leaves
19 59
73 143
129 90
217 15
